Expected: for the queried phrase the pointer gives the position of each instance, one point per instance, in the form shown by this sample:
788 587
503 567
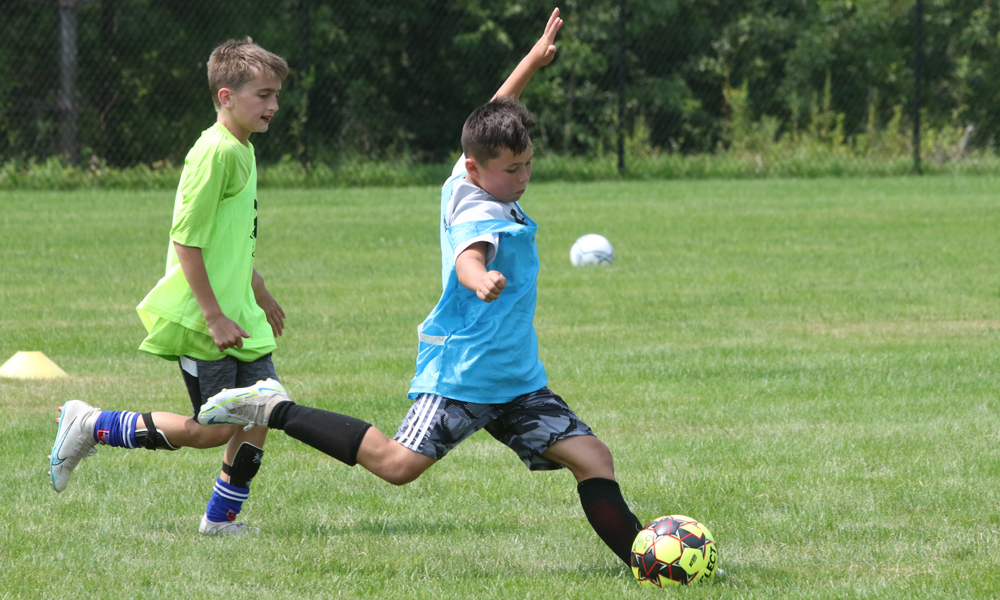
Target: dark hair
501 123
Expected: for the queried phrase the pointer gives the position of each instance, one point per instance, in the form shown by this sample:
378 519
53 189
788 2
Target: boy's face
250 109
504 177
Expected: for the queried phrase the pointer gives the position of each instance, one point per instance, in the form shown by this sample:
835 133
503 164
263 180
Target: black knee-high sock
609 515
338 435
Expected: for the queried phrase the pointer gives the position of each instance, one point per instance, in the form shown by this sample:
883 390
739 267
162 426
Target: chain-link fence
123 81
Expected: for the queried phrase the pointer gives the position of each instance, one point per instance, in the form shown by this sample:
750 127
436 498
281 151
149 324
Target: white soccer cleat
243 406
74 441
224 528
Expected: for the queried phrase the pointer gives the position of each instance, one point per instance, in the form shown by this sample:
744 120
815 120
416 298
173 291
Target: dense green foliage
807 366
396 78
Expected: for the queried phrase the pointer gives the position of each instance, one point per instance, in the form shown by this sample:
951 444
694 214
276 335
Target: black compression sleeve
335 434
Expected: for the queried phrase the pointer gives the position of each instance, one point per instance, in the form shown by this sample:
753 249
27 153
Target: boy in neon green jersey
211 312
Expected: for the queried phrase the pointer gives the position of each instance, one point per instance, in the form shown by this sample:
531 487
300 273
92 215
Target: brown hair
501 123
235 64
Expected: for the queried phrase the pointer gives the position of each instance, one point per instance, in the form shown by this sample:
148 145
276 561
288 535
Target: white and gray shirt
470 202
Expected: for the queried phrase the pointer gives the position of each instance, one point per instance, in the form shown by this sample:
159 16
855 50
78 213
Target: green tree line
390 79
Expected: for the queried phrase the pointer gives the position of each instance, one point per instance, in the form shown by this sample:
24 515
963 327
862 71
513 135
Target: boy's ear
471 166
226 97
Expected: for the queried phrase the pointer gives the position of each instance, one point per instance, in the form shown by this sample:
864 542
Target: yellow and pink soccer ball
674 550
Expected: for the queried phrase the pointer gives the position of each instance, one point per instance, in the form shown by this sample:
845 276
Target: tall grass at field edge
54 174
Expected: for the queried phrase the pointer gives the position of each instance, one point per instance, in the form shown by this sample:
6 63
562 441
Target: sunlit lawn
808 367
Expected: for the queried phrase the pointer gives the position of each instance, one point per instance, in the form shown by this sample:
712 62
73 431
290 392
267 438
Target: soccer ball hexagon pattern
674 550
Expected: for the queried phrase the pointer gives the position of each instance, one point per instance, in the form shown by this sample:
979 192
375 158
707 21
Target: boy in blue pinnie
478 360
211 312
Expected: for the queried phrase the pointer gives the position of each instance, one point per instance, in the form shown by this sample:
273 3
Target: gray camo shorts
528 425
206 378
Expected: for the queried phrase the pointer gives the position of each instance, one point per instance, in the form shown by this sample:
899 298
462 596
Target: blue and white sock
226 502
116 428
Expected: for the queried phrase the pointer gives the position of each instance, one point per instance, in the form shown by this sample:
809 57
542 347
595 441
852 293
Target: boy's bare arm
540 55
275 314
225 332
471 269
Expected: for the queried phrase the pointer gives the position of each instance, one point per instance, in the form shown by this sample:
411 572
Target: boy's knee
403 475
406 467
585 456
598 457
603 452
398 465
211 436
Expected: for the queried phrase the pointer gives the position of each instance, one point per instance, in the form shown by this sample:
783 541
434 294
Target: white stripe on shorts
424 409
189 365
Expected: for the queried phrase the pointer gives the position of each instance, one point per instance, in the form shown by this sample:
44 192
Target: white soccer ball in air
592 249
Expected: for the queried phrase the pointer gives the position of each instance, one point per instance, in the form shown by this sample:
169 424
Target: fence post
918 59
621 87
304 72
67 79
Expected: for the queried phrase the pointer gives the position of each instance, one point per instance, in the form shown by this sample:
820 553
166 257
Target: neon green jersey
216 210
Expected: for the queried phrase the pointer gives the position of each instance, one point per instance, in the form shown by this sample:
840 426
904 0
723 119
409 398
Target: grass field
808 367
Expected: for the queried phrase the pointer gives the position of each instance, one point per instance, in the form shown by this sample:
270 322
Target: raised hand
540 55
544 49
